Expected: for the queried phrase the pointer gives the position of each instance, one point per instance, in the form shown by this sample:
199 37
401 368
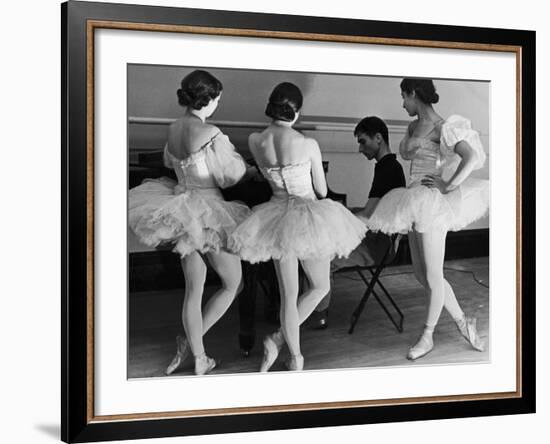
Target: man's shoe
319 319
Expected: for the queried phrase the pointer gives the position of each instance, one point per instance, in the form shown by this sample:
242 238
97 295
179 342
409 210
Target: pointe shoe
204 364
182 352
295 363
424 346
467 328
271 350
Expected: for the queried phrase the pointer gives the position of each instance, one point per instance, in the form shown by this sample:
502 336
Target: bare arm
251 171
252 141
166 158
465 167
467 163
165 153
317 172
369 207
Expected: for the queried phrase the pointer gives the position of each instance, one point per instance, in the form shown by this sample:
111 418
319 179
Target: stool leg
357 312
399 325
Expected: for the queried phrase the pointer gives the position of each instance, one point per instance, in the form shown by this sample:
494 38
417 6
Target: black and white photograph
305 221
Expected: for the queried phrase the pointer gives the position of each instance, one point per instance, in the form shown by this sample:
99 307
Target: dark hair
198 88
284 102
371 126
423 88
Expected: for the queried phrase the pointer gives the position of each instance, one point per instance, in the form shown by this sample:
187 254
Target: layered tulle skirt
297 227
425 209
161 212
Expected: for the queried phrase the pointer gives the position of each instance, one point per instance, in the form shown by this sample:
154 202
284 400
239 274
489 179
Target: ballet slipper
182 352
204 364
295 363
424 346
272 347
467 328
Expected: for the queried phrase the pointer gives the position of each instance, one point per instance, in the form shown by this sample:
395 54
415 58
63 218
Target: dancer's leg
417 259
318 275
428 252
325 301
287 276
194 271
228 267
450 302
432 247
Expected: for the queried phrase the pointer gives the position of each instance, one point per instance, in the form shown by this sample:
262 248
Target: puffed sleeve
457 129
224 163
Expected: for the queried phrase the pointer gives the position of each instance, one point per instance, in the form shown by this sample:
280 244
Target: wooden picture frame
80 20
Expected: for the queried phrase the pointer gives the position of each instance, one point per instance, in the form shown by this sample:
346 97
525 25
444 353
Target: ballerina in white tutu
434 204
191 213
294 226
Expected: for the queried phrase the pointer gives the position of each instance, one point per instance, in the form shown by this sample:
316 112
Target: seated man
372 136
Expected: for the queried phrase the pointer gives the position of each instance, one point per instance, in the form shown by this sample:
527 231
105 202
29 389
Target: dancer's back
187 135
280 146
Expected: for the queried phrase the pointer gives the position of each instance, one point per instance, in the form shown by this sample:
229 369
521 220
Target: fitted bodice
192 172
438 157
290 180
426 161
215 165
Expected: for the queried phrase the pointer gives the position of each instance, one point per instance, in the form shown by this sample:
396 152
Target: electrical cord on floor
474 277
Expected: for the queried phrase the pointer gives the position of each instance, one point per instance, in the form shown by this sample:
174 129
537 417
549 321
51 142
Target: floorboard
154 321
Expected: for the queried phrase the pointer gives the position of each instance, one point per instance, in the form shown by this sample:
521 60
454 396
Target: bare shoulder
175 126
412 126
439 125
253 140
312 146
210 130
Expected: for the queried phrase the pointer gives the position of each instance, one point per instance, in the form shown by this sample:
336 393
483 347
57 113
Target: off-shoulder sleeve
457 129
224 163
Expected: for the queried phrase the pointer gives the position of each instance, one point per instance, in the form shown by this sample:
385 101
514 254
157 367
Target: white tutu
425 209
297 227
191 213
194 220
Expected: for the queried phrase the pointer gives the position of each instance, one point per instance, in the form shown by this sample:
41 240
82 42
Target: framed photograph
199 244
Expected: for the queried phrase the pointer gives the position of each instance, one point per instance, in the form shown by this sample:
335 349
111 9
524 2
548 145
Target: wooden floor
154 321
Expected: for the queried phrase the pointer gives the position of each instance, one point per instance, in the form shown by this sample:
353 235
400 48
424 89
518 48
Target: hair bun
198 88
184 98
427 94
423 88
284 102
280 111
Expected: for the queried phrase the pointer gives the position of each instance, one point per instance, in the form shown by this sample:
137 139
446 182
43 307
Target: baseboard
467 243
161 269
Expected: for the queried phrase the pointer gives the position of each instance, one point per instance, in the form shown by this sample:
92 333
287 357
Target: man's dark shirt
388 174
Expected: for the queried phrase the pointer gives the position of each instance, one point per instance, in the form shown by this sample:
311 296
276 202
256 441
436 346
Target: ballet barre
304 125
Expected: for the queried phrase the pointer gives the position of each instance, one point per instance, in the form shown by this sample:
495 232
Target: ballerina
192 214
431 206
294 226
